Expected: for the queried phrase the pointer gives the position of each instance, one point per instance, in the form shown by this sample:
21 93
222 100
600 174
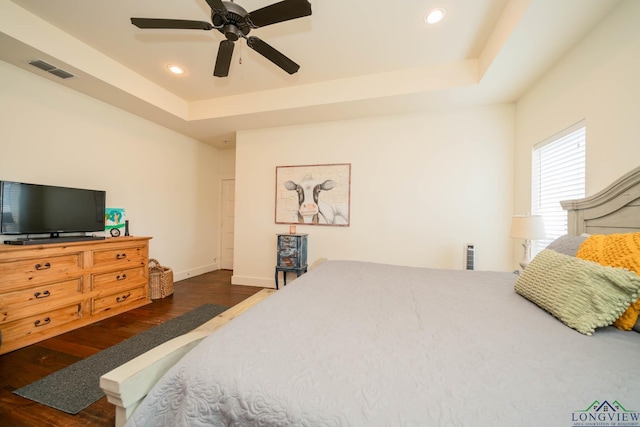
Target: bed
356 343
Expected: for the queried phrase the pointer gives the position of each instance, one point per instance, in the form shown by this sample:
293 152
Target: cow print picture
313 194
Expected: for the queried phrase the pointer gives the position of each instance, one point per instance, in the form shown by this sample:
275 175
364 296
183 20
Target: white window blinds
558 174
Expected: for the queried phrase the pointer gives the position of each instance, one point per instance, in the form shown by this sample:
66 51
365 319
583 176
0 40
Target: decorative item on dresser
46 290
292 255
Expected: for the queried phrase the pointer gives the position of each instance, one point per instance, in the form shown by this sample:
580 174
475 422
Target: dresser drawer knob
42 294
121 256
39 323
123 298
121 277
44 266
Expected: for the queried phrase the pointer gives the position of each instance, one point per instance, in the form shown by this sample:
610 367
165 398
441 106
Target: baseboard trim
177 276
253 281
235 280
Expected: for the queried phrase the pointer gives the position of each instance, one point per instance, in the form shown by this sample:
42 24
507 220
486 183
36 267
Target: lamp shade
528 227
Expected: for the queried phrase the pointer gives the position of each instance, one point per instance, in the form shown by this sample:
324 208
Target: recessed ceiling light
434 16
176 69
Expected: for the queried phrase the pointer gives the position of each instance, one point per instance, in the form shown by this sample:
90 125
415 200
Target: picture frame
115 220
314 194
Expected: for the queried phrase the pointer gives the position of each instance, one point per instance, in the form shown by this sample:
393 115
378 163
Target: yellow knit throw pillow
616 250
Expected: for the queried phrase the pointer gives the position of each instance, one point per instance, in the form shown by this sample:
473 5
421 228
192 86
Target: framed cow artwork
313 194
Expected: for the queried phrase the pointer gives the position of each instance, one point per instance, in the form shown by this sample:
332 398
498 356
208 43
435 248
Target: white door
228 214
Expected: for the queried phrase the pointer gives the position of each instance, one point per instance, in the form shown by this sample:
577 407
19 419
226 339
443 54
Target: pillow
616 250
583 295
567 244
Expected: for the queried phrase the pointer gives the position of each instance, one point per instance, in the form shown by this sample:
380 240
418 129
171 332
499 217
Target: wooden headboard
616 209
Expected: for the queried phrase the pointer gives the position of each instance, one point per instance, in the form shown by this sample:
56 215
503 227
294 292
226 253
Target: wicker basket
160 280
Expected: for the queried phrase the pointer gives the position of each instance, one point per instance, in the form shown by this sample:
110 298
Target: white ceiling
357 57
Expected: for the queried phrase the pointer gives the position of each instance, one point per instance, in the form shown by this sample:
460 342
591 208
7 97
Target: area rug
77 386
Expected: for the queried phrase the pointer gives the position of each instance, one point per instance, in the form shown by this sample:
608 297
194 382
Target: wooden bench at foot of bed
128 384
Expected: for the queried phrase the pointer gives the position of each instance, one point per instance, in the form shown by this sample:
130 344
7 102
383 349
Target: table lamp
527 227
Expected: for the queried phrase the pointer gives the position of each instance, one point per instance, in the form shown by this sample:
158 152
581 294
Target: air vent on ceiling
51 69
42 65
61 73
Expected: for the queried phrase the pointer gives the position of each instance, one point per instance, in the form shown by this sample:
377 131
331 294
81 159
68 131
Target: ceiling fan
234 22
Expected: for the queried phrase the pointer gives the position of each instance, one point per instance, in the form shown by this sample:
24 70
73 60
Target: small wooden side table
292 255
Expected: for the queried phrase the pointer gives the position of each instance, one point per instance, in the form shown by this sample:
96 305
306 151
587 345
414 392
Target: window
558 174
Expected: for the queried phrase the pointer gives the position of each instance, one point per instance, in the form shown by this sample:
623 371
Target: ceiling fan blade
279 12
179 24
272 55
218 7
223 61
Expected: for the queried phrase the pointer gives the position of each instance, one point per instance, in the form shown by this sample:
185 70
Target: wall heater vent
470 256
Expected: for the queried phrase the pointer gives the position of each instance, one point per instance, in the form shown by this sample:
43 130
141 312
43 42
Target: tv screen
38 209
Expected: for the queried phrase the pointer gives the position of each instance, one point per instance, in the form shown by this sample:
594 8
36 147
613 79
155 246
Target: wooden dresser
46 290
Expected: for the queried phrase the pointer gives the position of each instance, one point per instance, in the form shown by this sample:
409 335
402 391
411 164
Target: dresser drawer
118 300
40 324
292 250
22 303
127 257
39 270
122 278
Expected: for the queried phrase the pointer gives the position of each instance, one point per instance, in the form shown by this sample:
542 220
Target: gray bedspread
363 344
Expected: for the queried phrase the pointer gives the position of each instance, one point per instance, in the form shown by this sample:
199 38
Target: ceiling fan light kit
234 22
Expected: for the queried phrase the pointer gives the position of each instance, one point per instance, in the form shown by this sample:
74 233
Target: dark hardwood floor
26 365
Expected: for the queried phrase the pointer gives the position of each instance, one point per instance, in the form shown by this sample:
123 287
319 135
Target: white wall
421 187
227 163
168 183
599 80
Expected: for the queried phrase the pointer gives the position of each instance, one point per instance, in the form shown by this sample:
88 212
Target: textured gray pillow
567 244
583 295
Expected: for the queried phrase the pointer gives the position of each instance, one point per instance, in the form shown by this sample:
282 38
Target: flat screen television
46 209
